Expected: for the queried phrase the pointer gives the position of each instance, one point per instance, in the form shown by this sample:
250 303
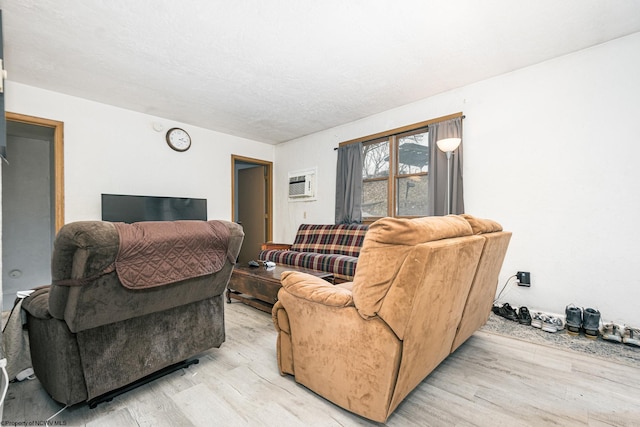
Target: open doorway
252 203
32 202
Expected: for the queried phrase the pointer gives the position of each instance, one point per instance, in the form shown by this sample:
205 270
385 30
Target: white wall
112 150
538 159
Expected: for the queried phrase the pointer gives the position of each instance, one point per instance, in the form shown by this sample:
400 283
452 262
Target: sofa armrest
315 289
37 304
268 246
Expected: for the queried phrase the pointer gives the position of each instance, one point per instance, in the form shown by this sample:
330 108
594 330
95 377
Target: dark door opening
252 204
32 201
28 209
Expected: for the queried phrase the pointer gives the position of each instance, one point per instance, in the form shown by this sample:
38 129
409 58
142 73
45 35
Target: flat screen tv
127 208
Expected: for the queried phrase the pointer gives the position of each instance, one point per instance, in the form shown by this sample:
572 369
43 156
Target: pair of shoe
587 320
521 315
546 322
524 317
611 332
631 336
624 334
506 311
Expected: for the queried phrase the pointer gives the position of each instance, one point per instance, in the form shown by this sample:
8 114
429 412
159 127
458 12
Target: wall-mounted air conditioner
302 185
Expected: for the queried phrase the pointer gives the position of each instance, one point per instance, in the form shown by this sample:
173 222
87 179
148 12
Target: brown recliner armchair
366 345
127 301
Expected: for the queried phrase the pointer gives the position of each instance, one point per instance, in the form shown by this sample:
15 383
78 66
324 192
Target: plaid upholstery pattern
342 266
339 239
323 247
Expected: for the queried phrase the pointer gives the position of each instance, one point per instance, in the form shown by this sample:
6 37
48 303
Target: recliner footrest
107 397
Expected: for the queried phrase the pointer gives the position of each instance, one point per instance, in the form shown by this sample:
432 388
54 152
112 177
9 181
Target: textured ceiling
276 70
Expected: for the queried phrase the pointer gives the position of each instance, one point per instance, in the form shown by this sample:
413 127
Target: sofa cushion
340 239
342 266
385 248
481 225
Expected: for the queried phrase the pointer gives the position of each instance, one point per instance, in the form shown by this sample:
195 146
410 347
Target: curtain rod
462 117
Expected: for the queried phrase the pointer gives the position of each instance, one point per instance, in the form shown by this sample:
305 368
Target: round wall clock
178 139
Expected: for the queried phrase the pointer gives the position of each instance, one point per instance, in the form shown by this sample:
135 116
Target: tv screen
126 208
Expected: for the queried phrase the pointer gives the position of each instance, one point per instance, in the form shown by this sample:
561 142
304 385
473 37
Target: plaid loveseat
324 247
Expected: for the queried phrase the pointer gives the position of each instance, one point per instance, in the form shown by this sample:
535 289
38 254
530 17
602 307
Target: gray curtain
438 169
349 184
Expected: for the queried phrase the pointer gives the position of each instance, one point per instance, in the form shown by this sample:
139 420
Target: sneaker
591 322
552 323
631 336
611 332
536 319
574 319
524 317
507 312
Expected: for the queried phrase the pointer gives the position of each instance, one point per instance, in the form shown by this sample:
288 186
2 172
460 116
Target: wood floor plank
121 417
152 405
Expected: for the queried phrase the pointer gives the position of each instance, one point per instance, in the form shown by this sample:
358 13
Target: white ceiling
275 70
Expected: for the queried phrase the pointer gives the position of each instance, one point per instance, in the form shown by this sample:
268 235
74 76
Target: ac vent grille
302 186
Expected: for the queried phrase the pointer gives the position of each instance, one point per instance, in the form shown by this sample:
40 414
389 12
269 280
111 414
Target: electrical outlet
524 278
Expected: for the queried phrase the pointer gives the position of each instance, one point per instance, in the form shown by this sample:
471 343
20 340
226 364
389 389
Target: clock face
178 139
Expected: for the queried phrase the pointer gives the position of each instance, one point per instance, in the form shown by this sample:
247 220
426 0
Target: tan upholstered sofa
128 301
422 287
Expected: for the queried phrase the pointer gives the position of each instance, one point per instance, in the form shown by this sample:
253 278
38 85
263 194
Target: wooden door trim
269 196
58 158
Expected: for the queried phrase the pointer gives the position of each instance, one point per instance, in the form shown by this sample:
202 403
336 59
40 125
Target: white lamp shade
448 144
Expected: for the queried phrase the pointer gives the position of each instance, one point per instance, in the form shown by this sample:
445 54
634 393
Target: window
395 175
396 180
375 178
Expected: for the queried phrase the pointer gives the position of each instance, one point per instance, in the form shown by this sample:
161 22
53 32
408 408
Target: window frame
392 137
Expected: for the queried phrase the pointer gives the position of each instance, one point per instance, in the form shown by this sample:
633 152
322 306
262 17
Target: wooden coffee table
259 286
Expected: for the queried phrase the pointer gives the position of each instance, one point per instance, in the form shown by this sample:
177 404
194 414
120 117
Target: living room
550 153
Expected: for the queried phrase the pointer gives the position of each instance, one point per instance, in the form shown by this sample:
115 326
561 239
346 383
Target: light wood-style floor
491 380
